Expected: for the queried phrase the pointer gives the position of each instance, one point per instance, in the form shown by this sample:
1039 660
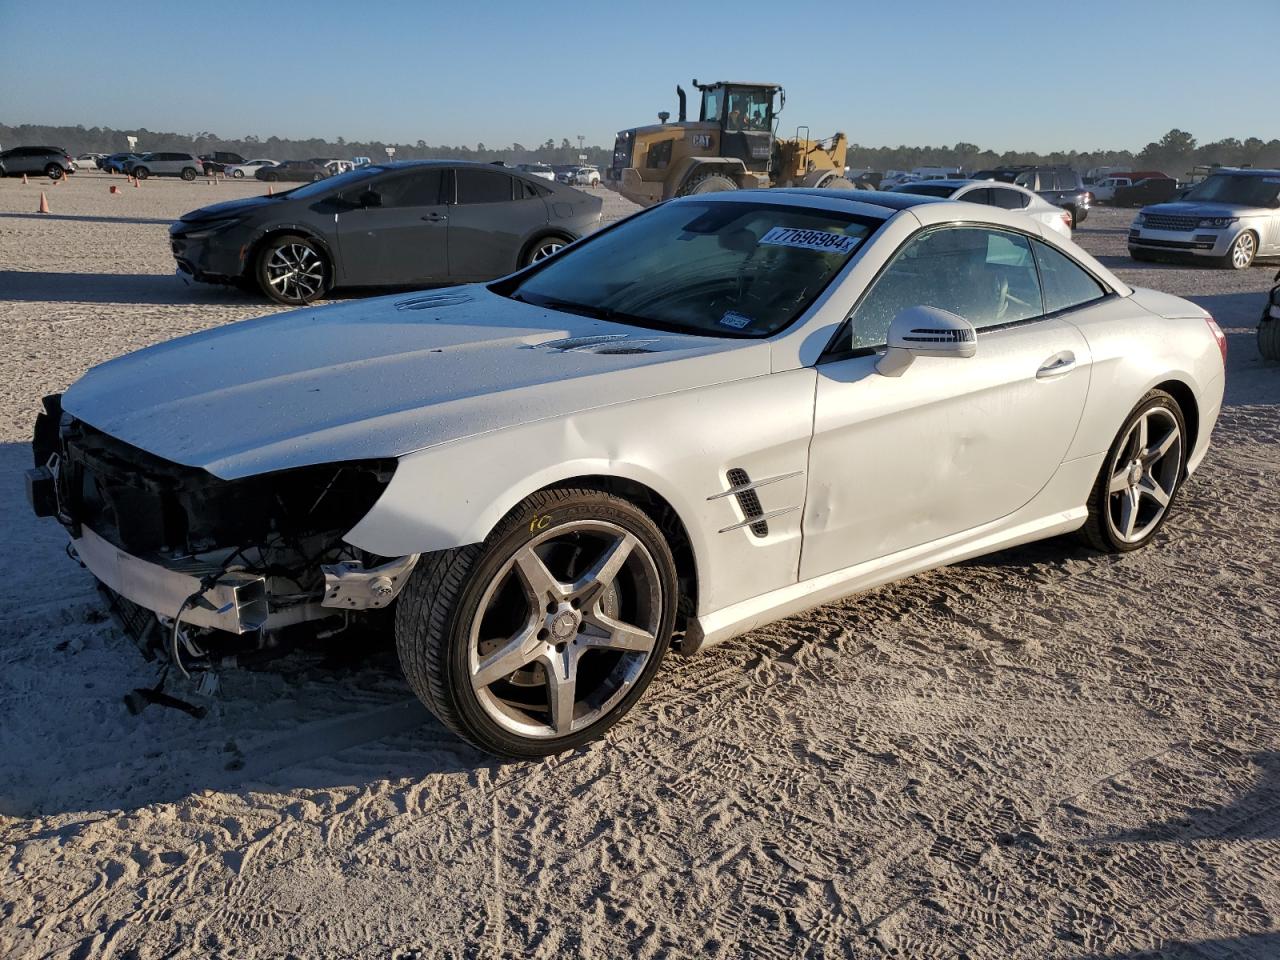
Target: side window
1008 199
482 186
1066 283
528 191
982 196
986 276
418 189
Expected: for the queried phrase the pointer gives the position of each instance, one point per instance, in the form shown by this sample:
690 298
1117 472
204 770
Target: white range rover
721 411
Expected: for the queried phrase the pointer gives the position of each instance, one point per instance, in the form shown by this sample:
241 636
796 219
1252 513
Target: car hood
1200 208
384 377
229 208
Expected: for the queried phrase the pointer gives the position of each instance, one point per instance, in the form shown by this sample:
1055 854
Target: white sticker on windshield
822 240
735 320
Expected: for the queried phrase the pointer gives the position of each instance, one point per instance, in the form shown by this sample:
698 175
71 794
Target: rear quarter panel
1137 343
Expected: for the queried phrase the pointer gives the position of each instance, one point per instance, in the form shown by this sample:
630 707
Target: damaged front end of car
208 567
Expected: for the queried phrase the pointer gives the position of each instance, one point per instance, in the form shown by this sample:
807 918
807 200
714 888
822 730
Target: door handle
1056 365
435 218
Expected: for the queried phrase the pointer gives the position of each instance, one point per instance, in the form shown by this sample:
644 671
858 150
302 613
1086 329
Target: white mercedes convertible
723 410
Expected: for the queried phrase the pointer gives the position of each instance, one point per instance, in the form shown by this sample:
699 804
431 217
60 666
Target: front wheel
709 183
141 173
1242 252
1140 477
293 270
238 174
541 638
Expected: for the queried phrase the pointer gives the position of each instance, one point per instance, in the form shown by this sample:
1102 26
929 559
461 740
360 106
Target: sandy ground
1044 753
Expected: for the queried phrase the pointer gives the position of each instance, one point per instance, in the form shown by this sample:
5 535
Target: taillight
1218 335
1066 218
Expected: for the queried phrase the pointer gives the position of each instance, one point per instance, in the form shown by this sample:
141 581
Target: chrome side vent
748 501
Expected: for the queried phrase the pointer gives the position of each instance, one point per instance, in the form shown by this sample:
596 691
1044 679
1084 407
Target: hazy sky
1026 74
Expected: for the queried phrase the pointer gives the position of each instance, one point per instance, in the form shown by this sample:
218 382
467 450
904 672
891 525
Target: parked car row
1006 196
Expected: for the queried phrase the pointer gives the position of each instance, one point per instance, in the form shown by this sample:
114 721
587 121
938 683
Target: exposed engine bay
222 565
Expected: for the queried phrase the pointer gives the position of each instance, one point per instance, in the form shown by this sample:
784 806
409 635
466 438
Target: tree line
1176 153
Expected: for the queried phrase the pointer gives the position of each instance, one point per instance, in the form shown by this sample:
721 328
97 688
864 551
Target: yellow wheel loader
733 145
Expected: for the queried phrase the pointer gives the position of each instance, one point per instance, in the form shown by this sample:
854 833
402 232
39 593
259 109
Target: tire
1242 253
616 647
542 248
54 172
1269 339
708 183
270 177
141 173
293 270
188 174
238 174
1135 476
836 182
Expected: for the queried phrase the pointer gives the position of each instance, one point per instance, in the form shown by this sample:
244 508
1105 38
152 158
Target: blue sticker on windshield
822 240
735 320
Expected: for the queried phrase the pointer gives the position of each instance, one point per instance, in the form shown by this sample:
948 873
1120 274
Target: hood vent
434 301
606 345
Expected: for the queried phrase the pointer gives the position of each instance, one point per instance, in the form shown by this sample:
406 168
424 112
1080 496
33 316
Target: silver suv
184 165
1232 216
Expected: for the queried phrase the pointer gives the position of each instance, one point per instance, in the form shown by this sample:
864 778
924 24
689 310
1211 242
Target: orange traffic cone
114 189
269 191
24 179
44 204
135 181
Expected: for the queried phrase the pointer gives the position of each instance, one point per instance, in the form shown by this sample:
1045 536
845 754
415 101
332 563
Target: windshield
336 184
711 104
1251 191
748 109
723 269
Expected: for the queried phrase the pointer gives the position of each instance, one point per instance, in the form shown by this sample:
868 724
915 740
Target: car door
491 215
951 444
400 236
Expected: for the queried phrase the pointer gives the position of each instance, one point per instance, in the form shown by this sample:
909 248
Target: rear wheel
1242 252
542 637
708 183
293 270
1140 477
53 172
238 174
543 248
188 173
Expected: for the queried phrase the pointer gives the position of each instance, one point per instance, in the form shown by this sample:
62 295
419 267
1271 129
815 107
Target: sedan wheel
291 270
543 249
1242 251
559 623
1140 477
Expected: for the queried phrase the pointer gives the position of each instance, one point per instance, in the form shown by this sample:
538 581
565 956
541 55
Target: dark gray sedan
400 224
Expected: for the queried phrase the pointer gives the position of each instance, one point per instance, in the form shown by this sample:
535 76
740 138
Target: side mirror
926 332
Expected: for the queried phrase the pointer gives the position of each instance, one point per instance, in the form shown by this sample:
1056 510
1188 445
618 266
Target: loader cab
744 112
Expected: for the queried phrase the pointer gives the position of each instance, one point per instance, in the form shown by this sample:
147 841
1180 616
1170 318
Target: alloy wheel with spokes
561 637
291 270
544 248
1243 250
1140 477
560 621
